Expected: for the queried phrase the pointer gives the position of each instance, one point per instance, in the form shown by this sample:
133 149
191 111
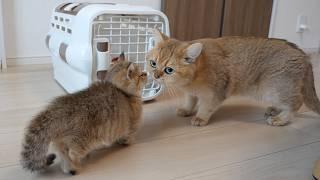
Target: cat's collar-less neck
125 93
129 95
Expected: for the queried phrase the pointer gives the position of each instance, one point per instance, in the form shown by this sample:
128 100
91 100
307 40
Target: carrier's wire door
130 34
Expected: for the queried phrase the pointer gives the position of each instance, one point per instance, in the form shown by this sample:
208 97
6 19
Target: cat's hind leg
188 106
128 137
79 149
67 165
284 106
281 119
76 155
272 111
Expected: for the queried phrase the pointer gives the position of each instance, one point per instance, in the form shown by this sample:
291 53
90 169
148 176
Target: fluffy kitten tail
309 92
34 151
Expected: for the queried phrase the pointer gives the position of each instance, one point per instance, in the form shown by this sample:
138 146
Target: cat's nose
144 74
157 74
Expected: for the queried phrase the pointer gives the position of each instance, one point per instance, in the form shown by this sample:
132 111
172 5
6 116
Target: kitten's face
125 75
172 61
128 77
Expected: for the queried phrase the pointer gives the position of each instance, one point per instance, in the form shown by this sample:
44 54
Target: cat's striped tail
309 92
35 146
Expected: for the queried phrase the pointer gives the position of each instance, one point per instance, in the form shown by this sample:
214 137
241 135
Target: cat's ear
130 71
159 36
192 52
101 75
121 58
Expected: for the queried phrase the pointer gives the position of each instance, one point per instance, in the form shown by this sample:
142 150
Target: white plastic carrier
84 37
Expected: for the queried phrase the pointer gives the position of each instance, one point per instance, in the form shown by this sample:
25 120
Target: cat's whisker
171 94
173 89
168 91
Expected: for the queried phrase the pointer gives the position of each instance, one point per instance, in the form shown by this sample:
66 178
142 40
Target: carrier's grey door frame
3 61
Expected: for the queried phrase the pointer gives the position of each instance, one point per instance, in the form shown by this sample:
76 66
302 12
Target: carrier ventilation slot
48 40
62 51
103 46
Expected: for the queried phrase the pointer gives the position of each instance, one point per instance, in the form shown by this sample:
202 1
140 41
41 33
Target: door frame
273 17
3 60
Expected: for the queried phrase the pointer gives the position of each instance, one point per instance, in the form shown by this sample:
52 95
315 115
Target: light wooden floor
237 144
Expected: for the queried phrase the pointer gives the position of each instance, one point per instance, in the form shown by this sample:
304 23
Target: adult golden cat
211 70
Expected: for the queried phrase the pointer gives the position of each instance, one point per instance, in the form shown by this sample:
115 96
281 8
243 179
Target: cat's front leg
188 106
207 106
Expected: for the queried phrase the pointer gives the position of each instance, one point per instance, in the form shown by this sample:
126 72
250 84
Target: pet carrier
84 37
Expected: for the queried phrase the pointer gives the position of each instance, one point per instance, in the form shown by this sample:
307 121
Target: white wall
26 23
285 21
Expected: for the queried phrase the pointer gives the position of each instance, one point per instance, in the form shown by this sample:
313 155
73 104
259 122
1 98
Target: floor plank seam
194 132
246 160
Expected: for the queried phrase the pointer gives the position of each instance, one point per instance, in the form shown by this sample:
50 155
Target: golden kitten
211 70
109 111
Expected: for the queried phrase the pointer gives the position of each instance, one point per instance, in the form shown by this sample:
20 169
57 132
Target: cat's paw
68 170
196 121
125 141
50 159
277 121
72 172
271 112
184 113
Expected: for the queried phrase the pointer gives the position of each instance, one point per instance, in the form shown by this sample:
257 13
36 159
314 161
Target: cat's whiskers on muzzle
169 89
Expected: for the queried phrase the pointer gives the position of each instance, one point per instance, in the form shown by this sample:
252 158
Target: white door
3 63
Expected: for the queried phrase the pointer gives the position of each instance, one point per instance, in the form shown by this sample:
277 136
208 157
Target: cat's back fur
246 61
99 106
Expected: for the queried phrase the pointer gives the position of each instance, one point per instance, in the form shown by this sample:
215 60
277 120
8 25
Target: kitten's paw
73 172
125 141
50 159
277 121
70 171
184 113
196 121
68 168
271 112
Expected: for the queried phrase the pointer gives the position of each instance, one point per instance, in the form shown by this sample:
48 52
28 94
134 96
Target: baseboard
28 60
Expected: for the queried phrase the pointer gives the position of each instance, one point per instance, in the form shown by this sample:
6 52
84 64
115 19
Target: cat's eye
168 70
153 64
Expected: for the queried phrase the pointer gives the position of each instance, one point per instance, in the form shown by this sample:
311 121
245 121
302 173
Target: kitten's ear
193 51
121 58
130 71
159 36
101 75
